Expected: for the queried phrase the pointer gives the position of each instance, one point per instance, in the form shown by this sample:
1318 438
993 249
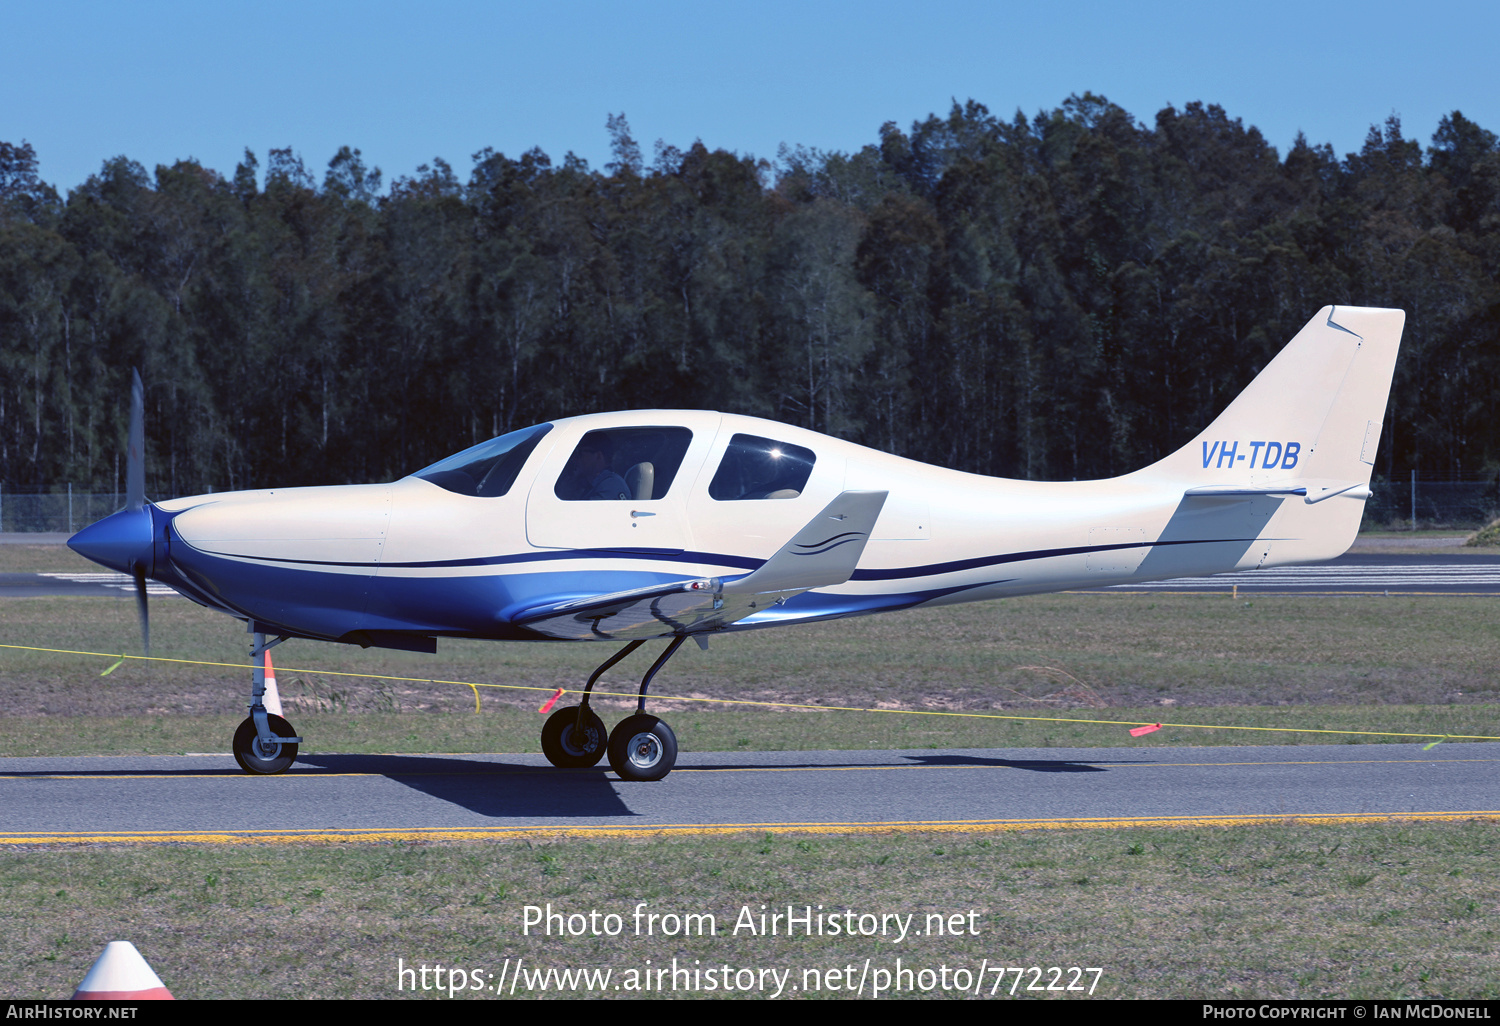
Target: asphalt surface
206 798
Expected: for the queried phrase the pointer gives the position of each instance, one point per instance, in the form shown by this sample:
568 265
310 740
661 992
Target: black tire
251 760
565 748
642 747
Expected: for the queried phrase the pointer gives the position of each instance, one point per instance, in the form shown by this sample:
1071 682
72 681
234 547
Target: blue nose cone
119 541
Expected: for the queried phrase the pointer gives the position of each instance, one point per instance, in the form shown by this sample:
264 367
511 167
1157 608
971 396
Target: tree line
1069 295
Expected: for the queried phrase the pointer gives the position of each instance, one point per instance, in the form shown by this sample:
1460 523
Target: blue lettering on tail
1265 455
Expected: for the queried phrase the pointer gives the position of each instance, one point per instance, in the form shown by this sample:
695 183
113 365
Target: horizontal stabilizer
1310 491
823 554
1317 491
1231 492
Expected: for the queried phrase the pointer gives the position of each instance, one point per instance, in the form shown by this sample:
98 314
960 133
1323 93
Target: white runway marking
1360 578
113 580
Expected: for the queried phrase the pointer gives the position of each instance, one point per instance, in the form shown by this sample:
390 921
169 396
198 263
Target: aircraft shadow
496 789
1039 765
489 788
1035 765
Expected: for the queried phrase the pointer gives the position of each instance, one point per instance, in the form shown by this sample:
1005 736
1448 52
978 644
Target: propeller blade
141 609
135 456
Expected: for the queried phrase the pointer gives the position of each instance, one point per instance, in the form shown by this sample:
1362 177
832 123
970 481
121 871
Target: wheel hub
575 743
644 750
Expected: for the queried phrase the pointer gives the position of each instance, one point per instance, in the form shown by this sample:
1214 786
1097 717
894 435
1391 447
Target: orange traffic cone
272 698
121 974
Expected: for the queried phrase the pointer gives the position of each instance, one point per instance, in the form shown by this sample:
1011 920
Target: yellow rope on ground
745 701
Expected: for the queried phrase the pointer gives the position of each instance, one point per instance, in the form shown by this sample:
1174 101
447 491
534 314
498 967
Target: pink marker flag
549 703
1139 731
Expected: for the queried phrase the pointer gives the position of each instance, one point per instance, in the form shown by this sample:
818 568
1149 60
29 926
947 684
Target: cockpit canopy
636 463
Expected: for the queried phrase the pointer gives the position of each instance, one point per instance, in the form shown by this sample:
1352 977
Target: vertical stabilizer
1314 413
1285 469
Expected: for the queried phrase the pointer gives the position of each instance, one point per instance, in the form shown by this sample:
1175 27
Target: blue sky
158 80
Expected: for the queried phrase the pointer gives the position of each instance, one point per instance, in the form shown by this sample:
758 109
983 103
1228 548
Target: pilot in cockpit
591 469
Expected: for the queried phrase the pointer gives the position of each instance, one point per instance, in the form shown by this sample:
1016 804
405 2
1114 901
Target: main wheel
642 747
564 745
248 753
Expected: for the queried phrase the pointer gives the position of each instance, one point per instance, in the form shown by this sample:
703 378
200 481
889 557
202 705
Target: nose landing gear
264 743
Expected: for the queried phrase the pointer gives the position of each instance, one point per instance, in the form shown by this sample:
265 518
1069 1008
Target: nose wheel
642 747
265 743
264 758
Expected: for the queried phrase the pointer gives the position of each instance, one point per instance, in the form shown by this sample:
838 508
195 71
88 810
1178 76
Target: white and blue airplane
682 524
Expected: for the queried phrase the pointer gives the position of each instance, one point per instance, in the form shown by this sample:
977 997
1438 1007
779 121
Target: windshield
489 468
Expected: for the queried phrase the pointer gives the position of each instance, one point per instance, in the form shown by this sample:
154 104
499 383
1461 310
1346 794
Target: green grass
1398 911
1406 664
516 729
19 557
1388 911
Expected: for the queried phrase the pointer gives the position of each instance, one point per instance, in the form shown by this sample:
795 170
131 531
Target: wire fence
66 510
1412 504
1392 504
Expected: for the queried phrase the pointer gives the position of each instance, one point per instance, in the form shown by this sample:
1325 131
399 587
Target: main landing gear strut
264 743
641 747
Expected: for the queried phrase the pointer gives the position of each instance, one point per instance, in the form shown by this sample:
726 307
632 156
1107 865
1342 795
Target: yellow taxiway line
432 834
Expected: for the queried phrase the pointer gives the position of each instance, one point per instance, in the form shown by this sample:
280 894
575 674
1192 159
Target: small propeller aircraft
675 525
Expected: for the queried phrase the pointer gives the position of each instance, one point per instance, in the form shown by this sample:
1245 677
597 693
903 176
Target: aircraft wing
822 554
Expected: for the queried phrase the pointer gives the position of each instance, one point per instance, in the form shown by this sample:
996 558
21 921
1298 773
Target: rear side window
489 468
761 468
635 464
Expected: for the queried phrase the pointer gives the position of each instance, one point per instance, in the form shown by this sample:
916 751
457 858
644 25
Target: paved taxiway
382 797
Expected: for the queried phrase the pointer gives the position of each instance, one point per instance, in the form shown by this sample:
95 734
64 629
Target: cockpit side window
489 468
761 468
636 464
